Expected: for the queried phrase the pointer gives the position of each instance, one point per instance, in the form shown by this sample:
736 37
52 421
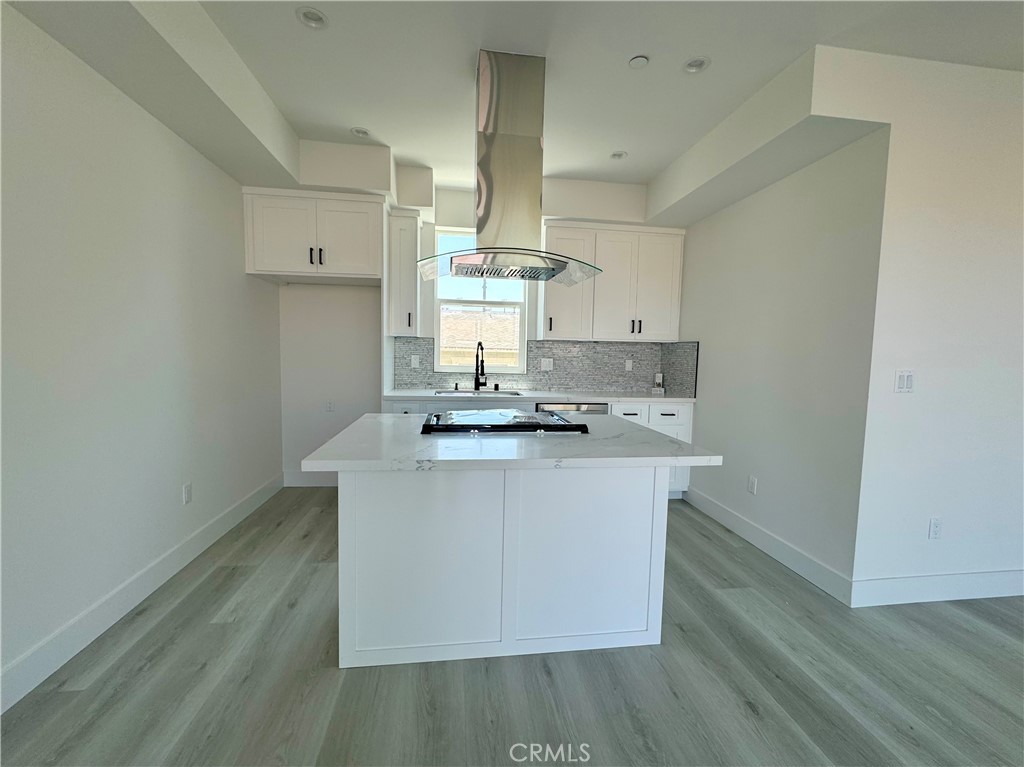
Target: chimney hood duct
509 179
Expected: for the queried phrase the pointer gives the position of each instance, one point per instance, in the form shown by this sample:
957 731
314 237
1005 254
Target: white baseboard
310 479
33 666
830 581
937 588
864 592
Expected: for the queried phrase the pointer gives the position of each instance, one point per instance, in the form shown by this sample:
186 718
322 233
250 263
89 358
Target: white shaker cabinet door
569 311
615 287
403 250
658 285
351 235
284 234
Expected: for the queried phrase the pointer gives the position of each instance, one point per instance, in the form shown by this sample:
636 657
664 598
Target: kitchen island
469 546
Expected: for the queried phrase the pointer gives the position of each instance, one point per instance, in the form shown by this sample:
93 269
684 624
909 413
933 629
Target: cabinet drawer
665 413
400 408
680 416
638 413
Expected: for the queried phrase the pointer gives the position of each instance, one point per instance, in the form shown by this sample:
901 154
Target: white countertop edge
512 463
405 395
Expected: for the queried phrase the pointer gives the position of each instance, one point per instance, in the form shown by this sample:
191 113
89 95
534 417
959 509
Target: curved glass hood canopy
507 264
509 180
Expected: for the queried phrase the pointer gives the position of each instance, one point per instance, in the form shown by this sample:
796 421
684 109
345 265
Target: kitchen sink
480 393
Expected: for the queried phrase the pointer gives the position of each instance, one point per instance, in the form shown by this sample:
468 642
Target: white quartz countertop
386 442
399 395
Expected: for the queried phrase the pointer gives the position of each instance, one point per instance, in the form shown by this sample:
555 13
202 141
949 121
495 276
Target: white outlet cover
629 364
752 484
186 494
547 363
414 361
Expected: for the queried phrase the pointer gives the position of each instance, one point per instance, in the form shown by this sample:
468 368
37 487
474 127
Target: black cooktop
503 421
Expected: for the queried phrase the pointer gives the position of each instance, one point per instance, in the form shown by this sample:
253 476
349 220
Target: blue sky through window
472 288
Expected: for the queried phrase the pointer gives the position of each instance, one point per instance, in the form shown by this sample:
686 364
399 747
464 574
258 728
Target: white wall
136 356
779 288
949 307
330 350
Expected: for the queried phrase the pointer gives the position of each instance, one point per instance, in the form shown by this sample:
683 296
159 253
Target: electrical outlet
752 484
546 363
934 528
414 361
629 364
903 382
330 406
186 494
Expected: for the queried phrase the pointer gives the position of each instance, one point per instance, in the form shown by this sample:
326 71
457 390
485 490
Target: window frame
438 302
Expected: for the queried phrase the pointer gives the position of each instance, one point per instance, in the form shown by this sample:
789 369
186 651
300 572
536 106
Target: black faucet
479 376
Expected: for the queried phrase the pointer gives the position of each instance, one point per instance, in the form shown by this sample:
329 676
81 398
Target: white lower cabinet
631 412
671 419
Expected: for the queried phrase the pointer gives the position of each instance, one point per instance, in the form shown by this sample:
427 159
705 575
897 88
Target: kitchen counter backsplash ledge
582 366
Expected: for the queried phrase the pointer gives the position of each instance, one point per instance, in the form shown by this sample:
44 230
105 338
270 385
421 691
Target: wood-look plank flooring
231 662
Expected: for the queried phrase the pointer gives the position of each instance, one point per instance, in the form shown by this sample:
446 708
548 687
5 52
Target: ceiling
406 70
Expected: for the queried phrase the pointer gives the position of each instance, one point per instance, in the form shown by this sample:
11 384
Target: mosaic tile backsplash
578 366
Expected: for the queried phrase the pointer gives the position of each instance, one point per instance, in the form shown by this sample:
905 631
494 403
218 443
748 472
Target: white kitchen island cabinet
463 546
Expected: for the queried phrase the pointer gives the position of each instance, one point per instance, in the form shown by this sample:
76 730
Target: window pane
462 325
473 288
504 290
458 288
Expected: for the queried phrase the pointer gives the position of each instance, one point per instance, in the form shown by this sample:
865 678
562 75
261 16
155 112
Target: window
471 310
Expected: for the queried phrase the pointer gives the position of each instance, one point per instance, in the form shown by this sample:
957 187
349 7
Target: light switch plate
903 382
546 363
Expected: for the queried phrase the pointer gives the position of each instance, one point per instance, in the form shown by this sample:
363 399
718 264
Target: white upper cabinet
403 277
659 271
349 233
310 237
615 286
569 312
634 298
284 234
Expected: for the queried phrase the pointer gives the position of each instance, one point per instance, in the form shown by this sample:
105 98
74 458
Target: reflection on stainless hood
509 179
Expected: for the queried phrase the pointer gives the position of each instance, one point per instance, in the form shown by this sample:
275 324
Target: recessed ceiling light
698 64
639 62
620 155
311 17
361 132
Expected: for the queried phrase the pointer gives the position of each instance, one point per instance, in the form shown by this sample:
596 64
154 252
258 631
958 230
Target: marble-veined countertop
391 442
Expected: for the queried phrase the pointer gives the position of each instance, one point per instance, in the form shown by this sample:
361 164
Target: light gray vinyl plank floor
231 662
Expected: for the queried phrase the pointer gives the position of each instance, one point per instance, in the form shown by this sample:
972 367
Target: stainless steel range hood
509 179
